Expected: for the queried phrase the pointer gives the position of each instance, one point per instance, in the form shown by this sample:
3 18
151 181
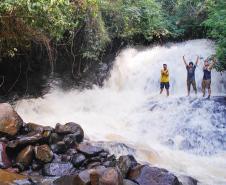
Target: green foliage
128 18
216 23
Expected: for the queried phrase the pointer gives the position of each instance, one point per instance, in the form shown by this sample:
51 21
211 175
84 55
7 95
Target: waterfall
183 134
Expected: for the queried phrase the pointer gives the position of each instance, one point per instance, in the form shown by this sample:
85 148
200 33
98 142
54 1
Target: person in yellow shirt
164 82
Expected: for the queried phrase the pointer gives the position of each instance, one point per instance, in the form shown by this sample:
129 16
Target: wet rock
66 180
186 180
94 177
78 159
43 153
146 175
10 121
58 169
83 178
111 176
24 158
71 128
24 140
36 166
4 160
40 180
30 127
125 163
70 140
59 147
128 182
93 164
89 150
66 158
9 178
54 138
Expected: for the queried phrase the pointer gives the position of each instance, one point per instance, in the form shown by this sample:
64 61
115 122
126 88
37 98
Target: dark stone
109 164
58 169
66 158
70 140
146 175
78 160
43 153
111 176
89 150
24 158
54 138
83 178
71 151
128 182
24 140
125 163
4 160
59 147
36 165
10 121
71 128
66 180
93 164
186 180
31 127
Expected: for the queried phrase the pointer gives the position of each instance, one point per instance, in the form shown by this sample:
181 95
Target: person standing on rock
191 75
206 82
164 82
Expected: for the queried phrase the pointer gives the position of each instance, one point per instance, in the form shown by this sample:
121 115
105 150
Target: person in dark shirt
191 74
206 82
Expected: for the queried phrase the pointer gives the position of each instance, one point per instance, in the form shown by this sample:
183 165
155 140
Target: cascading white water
184 135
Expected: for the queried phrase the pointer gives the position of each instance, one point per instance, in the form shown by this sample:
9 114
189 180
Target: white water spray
184 135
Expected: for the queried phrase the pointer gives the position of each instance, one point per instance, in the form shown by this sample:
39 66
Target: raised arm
197 61
185 61
212 63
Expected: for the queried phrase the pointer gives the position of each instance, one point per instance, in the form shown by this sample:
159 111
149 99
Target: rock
93 164
10 121
4 160
59 147
54 138
24 140
128 182
43 153
125 163
24 158
111 176
66 158
58 169
66 180
70 140
89 150
9 178
186 180
71 128
36 166
146 175
83 178
30 127
78 160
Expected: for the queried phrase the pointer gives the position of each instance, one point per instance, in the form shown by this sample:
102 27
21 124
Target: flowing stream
186 135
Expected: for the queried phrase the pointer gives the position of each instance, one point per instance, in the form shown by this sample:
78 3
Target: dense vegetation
58 22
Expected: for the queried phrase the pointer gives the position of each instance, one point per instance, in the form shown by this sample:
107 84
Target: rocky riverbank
41 155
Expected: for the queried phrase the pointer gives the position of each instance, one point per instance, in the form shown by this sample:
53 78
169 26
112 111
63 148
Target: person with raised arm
164 82
191 74
206 82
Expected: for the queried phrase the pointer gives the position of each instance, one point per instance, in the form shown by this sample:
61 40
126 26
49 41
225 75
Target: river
186 135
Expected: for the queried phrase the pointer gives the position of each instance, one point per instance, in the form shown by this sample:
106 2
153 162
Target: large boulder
71 128
9 178
4 160
111 176
43 153
146 175
125 163
24 158
10 121
89 150
58 169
